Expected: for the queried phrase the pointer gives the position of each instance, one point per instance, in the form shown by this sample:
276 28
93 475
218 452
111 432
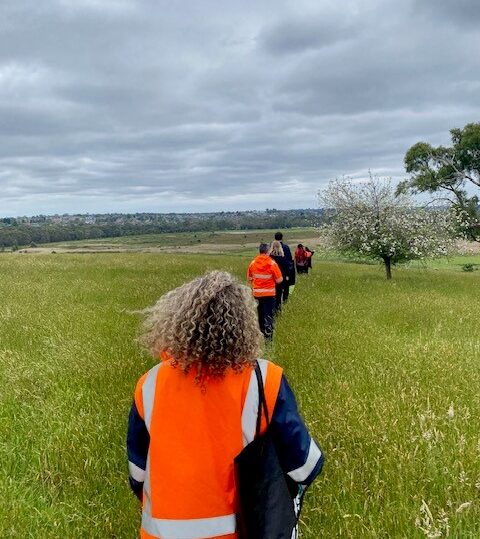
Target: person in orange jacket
195 411
264 274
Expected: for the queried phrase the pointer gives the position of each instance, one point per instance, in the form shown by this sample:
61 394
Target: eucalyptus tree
452 173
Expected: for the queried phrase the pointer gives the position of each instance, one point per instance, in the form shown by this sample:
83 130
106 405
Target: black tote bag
265 493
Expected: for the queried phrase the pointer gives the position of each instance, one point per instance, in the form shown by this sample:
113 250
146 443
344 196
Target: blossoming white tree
370 221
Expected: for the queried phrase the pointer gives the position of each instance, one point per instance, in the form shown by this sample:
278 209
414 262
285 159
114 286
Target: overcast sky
202 105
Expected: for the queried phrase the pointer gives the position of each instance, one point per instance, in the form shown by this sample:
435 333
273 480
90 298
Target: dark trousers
265 309
281 295
302 269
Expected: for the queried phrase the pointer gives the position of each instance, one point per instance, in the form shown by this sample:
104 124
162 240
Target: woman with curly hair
196 410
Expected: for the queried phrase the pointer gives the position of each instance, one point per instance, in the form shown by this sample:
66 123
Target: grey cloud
123 106
298 35
375 73
465 14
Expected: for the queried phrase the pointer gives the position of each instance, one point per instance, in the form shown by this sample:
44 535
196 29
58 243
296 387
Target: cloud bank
136 105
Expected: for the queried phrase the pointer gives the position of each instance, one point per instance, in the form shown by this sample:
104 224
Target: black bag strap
262 402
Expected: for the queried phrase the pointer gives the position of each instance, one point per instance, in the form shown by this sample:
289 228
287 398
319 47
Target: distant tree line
24 231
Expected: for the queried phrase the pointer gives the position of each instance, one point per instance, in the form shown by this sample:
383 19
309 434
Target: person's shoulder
268 366
152 371
140 381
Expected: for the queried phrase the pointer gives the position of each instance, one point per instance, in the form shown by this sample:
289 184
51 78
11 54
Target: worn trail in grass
386 374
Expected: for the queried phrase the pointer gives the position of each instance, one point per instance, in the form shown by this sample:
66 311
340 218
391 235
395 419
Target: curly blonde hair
210 323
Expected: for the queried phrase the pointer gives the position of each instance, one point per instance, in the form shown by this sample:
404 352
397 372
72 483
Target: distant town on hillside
24 231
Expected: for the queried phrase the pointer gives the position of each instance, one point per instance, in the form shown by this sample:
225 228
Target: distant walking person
309 255
290 273
277 253
301 259
264 274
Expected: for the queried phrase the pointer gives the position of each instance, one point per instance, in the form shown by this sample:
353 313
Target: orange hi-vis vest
263 272
195 434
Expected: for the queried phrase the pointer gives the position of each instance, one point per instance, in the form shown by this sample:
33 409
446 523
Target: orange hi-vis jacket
195 434
264 273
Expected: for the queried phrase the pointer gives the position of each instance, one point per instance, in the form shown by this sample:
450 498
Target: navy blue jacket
290 263
283 265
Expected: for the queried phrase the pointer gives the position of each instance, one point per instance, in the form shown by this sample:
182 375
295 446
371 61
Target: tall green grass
68 366
386 375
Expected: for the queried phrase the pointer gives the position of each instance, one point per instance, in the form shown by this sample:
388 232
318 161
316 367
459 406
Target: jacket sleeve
249 272
290 263
288 255
300 456
138 441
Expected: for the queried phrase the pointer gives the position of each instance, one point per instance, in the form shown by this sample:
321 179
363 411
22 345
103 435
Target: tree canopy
369 220
452 171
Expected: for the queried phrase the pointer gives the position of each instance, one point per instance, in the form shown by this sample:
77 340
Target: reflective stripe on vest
261 276
148 394
148 398
195 528
250 408
264 291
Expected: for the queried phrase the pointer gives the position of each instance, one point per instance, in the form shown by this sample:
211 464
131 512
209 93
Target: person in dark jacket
309 254
277 253
290 265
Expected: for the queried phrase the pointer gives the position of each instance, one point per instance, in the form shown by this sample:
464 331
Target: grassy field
234 238
386 375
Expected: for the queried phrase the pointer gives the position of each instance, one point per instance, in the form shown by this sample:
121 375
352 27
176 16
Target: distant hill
24 231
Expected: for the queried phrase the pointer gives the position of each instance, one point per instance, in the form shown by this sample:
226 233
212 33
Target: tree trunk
388 266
